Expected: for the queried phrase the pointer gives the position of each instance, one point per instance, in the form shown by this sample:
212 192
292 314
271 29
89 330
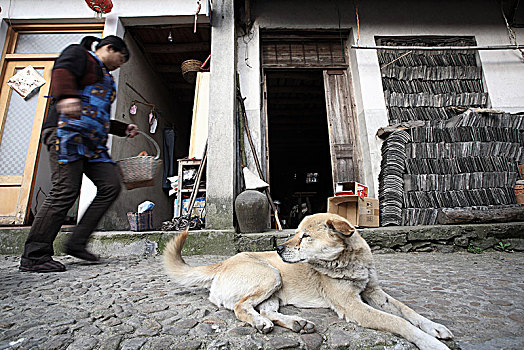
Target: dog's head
319 237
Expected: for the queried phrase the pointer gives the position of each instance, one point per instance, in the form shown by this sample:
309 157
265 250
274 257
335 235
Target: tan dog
327 264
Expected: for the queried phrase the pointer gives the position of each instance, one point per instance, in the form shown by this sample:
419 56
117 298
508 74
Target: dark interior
299 155
166 47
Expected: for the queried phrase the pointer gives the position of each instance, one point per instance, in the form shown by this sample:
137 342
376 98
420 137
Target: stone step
443 238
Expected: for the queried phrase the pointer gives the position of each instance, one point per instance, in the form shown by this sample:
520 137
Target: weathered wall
138 74
67 9
503 70
221 162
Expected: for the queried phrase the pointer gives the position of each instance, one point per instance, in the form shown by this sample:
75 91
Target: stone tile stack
419 85
468 160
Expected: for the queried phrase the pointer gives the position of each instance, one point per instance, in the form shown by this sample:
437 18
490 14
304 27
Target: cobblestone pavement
130 303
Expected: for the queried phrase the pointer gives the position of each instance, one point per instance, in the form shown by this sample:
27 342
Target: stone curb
443 238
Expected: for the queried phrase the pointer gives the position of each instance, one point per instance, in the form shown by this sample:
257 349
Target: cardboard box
368 212
351 188
360 212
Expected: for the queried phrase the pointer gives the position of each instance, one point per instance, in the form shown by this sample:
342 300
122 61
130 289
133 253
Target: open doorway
153 85
298 142
165 48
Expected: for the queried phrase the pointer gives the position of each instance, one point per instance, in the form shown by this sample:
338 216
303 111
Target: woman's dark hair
116 43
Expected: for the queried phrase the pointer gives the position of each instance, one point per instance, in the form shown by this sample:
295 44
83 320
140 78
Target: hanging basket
140 171
190 68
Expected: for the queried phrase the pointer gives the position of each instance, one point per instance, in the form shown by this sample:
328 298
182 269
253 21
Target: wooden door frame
38 61
25 181
357 151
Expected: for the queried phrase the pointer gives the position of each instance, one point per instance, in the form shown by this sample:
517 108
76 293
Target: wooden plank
448 216
31 56
11 180
289 54
304 66
60 27
341 126
34 144
303 34
178 47
199 125
9 196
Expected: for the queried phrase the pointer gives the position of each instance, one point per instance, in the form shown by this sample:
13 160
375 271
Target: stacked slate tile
420 84
468 160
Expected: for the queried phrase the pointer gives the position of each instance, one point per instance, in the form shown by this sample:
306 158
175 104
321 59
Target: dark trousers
66 183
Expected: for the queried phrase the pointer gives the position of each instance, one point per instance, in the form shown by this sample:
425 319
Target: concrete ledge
119 243
445 238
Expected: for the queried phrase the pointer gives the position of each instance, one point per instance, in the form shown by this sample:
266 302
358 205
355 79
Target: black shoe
82 253
48 266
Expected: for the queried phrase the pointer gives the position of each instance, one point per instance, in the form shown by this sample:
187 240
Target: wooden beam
309 90
448 216
204 46
306 76
167 68
304 66
30 56
182 86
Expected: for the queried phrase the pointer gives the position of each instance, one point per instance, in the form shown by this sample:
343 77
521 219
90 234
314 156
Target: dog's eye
305 235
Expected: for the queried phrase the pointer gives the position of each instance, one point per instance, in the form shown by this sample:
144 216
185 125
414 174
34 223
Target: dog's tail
185 275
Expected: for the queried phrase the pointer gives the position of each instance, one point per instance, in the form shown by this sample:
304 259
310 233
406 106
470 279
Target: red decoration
100 6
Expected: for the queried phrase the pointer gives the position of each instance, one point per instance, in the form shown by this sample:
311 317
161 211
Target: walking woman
75 133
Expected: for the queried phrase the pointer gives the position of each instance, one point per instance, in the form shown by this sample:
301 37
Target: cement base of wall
448 238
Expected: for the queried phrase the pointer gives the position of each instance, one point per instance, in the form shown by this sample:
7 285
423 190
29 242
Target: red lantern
100 6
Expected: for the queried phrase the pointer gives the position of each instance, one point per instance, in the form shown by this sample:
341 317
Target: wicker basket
190 68
141 170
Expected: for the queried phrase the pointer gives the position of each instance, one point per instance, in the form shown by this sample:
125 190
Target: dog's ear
341 227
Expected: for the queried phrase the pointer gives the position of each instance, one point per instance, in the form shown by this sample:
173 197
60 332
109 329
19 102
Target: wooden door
20 126
341 126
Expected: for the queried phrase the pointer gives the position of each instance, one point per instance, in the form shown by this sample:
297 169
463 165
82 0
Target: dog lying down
327 264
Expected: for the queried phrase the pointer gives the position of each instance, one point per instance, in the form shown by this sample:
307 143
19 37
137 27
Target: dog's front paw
263 325
437 330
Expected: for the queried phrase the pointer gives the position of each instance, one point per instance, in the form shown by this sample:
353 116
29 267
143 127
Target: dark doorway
299 152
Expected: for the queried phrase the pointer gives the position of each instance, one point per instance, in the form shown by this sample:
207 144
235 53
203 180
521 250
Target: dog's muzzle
286 255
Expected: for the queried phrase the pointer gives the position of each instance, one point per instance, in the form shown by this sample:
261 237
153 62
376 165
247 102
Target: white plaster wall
251 87
503 70
66 9
222 141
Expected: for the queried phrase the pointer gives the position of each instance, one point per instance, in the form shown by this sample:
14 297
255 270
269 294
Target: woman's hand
132 130
69 106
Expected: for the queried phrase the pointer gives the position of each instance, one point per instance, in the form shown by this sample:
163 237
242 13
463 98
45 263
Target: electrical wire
511 33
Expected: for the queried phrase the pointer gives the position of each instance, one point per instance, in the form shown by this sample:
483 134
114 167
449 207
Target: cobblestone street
130 303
